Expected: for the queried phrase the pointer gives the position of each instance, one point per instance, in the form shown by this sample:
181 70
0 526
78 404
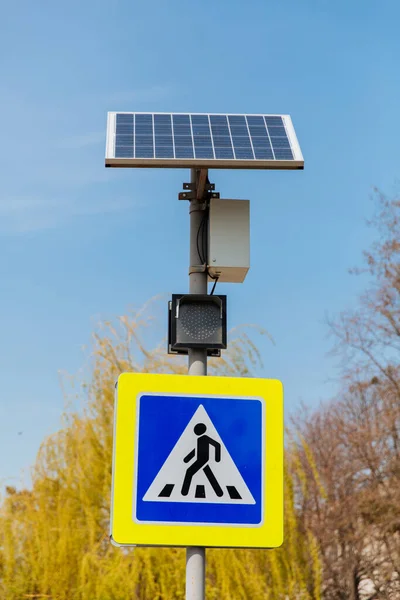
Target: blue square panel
199 460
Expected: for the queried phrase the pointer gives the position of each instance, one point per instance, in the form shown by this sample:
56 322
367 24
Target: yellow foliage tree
54 540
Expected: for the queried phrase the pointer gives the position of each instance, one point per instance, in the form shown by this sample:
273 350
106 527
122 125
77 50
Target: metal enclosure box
229 240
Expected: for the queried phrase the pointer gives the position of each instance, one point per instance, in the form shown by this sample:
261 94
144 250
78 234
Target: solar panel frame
256 141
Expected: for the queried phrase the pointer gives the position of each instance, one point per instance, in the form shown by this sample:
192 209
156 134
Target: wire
215 283
201 252
204 235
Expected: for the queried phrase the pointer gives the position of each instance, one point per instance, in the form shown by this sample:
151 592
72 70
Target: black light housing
184 351
197 321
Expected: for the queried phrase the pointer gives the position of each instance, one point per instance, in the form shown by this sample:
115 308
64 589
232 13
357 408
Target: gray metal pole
196 557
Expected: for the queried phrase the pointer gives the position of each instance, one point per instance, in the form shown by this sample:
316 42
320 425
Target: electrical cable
201 252
204 234
215 283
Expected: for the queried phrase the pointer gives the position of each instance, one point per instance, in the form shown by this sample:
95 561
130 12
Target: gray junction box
229 240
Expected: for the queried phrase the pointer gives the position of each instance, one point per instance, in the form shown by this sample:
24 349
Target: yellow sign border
124 531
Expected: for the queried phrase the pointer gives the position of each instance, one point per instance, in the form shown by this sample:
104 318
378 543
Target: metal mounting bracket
193 196
200 190
210 187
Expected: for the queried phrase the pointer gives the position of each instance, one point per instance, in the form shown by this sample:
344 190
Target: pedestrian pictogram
199 468
202 455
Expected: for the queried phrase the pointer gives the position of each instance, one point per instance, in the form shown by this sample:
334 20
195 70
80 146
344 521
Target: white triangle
173 471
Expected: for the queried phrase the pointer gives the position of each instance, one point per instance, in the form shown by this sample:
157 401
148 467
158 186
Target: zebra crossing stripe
200 491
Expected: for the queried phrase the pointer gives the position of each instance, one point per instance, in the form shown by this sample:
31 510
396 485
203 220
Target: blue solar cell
143 125
237 120
218 118
241 142
258 135
257 132
256 121
273 121
202 141
239 131
223 153
244 153
277 132
182 130
163 133
263 154
144 140
220 130
158 118
283 154
143 152
222 141
124 124
124 128
142 128
124 143
201 136
200 130
162 128
163 125
124 117
280 142
143 135
219 125
183 152
204 152
164 152
124 139
163 140
259 126
183 140
123 152
181 119
261 142
199 120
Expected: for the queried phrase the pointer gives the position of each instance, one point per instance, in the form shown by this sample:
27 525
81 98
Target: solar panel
214 141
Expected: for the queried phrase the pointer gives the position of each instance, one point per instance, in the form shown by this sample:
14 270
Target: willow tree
54 537
355 439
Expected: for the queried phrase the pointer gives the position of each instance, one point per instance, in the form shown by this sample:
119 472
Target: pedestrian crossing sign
197 461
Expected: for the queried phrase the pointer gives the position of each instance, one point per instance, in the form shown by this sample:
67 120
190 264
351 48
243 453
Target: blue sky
79 242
